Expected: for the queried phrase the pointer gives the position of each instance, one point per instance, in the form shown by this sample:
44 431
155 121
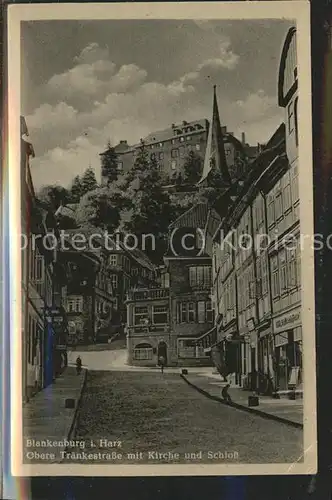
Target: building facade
256 260
43 288
171 147
168 320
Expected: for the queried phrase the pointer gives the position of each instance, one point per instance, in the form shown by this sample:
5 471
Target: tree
76 189
109 163
193 168
100 208
52 196
151 209
89 182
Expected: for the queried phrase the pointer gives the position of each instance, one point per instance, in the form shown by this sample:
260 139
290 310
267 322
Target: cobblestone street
151 412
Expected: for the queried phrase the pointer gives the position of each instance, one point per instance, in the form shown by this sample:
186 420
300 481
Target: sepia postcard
160 185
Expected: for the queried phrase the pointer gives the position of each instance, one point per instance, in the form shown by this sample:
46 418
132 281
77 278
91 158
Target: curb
261 413
73 426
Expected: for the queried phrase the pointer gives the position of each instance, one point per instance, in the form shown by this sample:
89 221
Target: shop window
143 352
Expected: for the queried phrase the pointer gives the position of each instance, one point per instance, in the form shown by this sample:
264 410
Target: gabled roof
195 217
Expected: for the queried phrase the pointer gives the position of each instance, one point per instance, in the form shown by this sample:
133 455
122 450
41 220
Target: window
275 276
174 153
290 117
291 268
141 315
188 137
197 147
209 311
200 276
278 206
173 165
71 327
181 139
296 122
182 151
113 260
287 197
227 151
173 141
282 271
160 144
114 281
120 165
186 348
135 271
271 212
153 156
159 315
183 312
161 155
143 352
75 304
191 312
201 312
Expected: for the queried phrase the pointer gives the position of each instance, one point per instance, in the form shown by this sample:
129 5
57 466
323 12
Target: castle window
120 165
198 147
175 153
181 139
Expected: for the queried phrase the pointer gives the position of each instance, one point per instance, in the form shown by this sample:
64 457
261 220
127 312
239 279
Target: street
142 413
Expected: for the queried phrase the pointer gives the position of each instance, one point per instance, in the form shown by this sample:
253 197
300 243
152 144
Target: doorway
162 351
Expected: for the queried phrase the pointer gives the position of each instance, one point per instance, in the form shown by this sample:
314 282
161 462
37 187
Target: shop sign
287 321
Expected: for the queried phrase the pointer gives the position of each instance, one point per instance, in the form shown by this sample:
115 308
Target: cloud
256 106
228 59
95 101
92 53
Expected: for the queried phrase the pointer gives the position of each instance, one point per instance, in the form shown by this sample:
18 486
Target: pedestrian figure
162 363
226 397
78 365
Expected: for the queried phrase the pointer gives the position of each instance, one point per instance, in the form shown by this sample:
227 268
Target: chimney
224 130
173 125
123 142
184 122
243 135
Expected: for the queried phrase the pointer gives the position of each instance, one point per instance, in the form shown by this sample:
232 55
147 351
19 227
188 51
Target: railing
148 294
148 329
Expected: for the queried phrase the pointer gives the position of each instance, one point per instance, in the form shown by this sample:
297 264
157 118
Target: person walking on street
162 363
224 393
78 365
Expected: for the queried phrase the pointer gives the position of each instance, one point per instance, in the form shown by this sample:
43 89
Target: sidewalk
45 416
283 410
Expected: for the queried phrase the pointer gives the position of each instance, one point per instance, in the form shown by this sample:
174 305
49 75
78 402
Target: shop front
287 331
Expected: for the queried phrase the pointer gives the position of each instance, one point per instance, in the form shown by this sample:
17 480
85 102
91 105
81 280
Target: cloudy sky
86 82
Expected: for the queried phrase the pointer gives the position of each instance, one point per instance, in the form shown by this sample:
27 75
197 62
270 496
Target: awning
207 339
